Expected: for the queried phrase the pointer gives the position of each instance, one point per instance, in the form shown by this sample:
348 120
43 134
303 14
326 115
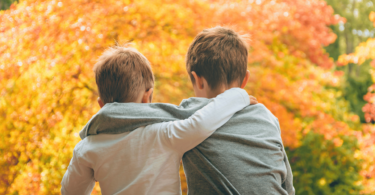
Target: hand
253 100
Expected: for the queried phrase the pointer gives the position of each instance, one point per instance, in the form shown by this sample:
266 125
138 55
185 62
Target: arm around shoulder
184 135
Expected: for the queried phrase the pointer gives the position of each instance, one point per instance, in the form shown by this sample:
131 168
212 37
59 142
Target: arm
78 179
115 118
183 135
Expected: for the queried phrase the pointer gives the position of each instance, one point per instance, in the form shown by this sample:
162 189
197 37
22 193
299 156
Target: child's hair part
219 55
121 74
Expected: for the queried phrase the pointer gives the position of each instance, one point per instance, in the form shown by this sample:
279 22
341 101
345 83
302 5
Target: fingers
253 100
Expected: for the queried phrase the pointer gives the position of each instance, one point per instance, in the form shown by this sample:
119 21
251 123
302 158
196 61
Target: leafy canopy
48 92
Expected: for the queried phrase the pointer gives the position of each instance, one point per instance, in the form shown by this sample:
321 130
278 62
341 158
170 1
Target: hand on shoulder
253 100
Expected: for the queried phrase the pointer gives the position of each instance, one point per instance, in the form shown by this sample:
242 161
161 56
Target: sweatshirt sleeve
79 178
183 135
288 182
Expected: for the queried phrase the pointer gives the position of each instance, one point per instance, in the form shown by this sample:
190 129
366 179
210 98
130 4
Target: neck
213 93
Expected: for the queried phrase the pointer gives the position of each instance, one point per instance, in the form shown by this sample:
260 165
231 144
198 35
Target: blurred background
310 63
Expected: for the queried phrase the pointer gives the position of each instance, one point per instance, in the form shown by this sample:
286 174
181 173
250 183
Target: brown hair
121 74
219 55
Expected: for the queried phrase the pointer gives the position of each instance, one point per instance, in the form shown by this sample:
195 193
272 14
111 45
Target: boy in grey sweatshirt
244 156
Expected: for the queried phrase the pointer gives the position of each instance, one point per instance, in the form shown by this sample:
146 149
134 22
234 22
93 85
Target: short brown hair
121 73
219 55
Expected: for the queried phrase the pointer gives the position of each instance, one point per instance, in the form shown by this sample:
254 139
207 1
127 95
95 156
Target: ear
147 96
100 102
246 79
198 80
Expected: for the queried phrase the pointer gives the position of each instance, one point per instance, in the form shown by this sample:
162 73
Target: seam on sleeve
164 136
78 151
79 155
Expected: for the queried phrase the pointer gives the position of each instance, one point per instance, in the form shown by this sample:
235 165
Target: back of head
121 75
219 55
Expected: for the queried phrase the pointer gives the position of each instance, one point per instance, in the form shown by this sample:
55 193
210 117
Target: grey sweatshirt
244 156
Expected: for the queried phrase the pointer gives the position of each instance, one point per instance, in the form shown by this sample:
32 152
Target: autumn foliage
365 52
48 92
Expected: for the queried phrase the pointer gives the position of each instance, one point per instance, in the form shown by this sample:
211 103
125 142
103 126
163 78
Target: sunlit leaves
366 51
48 92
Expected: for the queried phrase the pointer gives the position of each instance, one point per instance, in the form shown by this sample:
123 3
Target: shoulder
80 146
259 112
260 109
88 145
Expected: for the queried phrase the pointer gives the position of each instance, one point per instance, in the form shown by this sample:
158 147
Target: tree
363 53
5 4
357 28
318 166
48 92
